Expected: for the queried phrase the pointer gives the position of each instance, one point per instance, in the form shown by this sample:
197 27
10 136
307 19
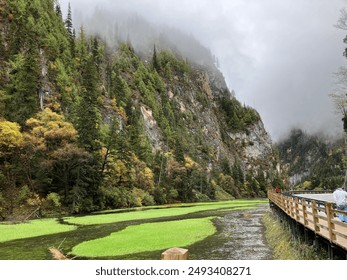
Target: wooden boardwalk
317 215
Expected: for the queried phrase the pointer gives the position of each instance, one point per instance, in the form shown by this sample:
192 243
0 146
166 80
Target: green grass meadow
32 229
122 233
147 237
183 209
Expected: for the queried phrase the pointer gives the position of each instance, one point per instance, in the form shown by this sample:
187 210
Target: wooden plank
321 217
336 232
338 222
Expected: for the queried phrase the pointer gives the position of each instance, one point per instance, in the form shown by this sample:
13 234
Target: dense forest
85 127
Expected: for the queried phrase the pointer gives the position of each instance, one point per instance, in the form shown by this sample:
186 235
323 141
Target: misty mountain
116 27
312 161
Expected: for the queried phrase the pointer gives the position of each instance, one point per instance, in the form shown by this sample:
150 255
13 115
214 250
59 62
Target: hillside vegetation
85 126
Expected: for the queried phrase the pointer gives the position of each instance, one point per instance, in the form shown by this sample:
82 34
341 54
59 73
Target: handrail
306 191
316 215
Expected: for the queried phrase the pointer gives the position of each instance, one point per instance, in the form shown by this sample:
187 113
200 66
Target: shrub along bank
284 246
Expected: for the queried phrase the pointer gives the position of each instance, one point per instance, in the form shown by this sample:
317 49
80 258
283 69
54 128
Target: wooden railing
318 216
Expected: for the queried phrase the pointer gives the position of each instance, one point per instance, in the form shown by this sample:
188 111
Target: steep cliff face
199 105
255 146
152 130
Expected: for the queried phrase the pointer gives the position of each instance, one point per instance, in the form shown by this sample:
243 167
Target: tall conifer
70 29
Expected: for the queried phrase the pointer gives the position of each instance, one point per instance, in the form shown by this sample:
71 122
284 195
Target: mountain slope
88 126
311 161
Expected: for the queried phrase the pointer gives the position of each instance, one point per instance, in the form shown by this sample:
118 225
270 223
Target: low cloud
278 56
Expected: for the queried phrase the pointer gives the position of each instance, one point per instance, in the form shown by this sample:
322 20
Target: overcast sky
279 56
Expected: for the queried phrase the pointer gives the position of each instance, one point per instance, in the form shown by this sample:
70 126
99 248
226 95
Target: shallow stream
240 236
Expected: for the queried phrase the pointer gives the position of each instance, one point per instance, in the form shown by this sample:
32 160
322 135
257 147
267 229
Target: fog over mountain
278 56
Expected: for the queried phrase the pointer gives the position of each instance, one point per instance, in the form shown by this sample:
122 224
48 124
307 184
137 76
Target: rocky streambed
240 236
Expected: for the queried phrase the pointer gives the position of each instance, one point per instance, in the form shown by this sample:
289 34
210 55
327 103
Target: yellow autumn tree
11 142
10 137
52 160
143 176
51 128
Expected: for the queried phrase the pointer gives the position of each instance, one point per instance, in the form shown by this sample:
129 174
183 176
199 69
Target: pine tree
97 53
109 139
22 89
58 9
81 51
88 112
155 61
70 29
68 22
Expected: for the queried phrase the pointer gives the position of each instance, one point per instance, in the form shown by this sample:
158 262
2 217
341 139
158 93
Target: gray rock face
198 105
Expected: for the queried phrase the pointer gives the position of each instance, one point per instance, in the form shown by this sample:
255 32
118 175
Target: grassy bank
280 240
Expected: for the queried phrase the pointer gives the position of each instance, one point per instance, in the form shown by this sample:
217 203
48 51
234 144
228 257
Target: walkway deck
314 211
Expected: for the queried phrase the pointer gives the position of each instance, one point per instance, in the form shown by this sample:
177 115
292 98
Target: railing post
331 226
304 211
288 206
296 207
275 198
281 204
291 207
315 214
